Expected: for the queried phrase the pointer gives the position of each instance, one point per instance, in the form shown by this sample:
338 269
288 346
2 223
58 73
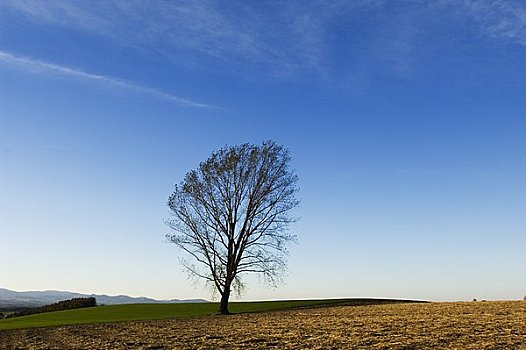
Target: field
469 325
135 312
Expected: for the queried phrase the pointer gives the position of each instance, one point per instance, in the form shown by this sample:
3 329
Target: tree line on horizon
75 303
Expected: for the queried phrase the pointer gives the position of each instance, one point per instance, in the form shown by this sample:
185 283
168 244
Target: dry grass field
470 325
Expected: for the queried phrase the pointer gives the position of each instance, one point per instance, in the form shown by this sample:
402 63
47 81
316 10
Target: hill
10 300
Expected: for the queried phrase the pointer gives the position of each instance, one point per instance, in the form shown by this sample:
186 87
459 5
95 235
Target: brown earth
480 325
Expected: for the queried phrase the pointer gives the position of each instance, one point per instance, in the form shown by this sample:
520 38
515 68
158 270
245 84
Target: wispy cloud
278 37
40 67
501 19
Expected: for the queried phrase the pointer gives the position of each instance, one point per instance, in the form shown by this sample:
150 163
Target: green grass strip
140 312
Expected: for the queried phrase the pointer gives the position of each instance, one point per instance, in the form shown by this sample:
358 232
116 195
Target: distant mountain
13 299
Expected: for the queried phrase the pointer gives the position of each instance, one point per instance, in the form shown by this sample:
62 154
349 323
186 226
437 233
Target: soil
468 325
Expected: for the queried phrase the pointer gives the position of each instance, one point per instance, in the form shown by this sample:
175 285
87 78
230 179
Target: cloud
501 19
40 67
284 39
277 37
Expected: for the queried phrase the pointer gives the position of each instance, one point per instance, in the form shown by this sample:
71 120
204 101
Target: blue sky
406 122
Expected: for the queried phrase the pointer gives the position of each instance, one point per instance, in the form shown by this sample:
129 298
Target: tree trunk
223 305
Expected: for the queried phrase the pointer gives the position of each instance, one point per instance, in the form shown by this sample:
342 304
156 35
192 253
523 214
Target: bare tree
231 215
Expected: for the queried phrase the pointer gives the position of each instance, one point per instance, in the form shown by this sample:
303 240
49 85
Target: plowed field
480 325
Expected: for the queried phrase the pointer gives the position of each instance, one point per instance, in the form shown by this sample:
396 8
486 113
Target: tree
231 216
